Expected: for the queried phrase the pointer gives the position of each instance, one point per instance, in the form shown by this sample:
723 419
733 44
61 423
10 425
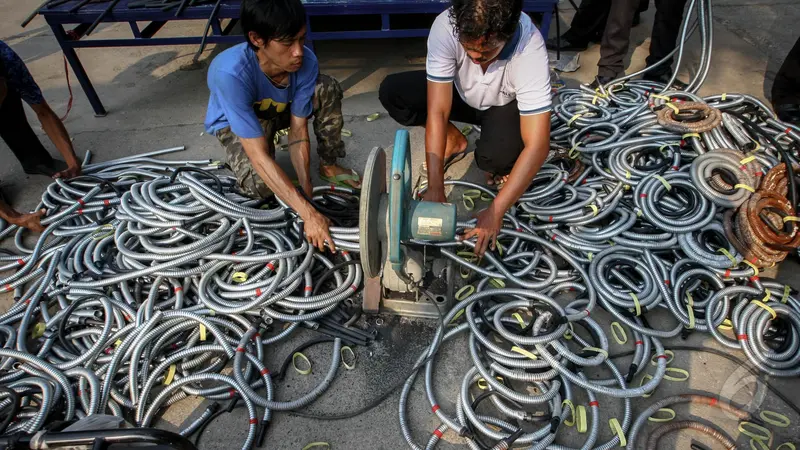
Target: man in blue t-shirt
269 83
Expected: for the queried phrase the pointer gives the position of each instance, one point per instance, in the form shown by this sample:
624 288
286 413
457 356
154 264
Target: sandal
341 179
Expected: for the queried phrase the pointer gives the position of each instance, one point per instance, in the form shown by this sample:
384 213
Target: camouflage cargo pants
328 121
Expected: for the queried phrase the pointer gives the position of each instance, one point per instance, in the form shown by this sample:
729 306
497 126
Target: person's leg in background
19 136
586 26
616 40
666 28
500 143
328 122
404 96
643 6
786 89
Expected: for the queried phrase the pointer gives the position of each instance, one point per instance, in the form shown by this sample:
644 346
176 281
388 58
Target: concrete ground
154 104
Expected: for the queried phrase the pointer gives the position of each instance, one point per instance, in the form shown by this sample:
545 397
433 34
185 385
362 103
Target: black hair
272 19
474 19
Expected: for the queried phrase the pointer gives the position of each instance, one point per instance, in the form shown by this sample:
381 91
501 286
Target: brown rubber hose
776 180
754 238
714 432
712 117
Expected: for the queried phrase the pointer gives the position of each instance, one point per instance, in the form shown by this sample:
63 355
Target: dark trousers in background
404 95
616 38
786 89
666 28
590 20
18 134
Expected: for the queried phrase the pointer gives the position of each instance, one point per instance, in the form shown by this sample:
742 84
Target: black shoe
566 45
46 169
664 78
789 113
601 81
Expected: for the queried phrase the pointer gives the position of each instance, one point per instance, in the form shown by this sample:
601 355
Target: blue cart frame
59 16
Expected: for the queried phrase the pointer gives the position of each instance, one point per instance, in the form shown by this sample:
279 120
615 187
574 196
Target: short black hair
272 19
474 19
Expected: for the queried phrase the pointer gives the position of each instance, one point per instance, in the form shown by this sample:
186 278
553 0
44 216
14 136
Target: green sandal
341 179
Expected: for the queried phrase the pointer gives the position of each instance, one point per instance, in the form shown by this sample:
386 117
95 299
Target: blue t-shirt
13 69
241 93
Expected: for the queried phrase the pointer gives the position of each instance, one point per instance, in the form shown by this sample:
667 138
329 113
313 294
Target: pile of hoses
153 276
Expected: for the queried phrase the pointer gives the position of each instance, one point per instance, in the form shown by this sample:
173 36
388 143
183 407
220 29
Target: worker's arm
536 138
315 224
300 151
30 221
440 100
55 130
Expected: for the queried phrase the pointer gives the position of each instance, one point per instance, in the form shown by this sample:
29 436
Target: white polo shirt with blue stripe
520 72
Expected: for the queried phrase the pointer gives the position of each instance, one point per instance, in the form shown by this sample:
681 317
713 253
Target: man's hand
70 172
486 230
316 227
32 221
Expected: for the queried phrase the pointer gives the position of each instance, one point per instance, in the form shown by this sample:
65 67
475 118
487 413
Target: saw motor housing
390 221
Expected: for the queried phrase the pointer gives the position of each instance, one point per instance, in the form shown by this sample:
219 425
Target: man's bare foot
496 180
456 141
338 174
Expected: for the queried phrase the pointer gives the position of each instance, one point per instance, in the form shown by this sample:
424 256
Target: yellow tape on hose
776 419
673 107
524 352
465 292
746 427
103 231
747 160
598 350
617 429
618 333
688 135
670 353
202 332
636 303
573 152
744 186
724 95
170 375
468 198
791 219
663 181
786 291
497 283
789 446
239 277
302 357
726 325
690 310
568 334
725 252
646 378
752 266
344 360
317 445
573 413
38 330
755 444
581 419
662 97
595 209
573 119
458 314
763 305
684 374
670 412
519 319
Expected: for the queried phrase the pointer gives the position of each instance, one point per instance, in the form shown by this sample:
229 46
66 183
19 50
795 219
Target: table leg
547 17
77 67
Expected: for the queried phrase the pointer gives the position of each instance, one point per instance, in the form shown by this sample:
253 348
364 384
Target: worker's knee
396 100
328 89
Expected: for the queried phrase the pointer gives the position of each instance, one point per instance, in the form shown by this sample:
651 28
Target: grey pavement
152 103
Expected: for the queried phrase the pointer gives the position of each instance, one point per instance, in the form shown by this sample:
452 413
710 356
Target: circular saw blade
373 187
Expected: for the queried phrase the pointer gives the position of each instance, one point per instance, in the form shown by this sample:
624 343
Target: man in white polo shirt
487 65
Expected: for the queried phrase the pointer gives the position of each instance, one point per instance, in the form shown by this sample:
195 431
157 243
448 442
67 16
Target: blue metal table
59 16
